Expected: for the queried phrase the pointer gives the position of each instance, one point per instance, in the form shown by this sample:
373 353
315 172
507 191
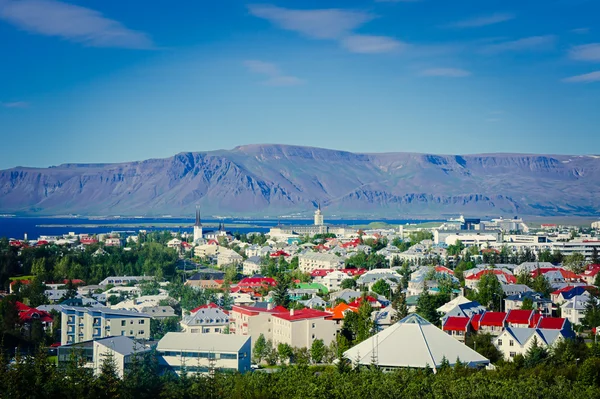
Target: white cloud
446 72
371 44
328 24
15 104
319 24
284 81
265 68
535 43
586 78
275 77
71 22
581 31
478 22
586 52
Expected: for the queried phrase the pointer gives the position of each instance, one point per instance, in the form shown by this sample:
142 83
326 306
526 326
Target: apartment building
201 354
206 321
313 261
80 324
300 328
252 321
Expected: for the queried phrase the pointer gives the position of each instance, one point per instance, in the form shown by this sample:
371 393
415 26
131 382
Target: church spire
198 222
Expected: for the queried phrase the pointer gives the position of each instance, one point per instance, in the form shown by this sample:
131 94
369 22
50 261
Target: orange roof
339 310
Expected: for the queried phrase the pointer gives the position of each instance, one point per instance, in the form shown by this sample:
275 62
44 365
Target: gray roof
174 341
413 342
123 345
206 317
522 335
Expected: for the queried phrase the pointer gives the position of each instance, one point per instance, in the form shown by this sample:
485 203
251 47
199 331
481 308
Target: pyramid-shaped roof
413 342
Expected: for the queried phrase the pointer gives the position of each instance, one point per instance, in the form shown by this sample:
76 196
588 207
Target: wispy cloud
586 52
586 78
480 21
445 72
15 104
275 77
534 43
71 22
581 31
328 24
319 24
371 44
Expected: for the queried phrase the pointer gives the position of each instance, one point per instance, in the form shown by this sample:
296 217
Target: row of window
202 355
510 342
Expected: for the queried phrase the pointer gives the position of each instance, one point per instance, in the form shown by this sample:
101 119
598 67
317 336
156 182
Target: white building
123 351
198 235
574 308
333 280
124 280
227 257
80 324
206 321
318 217
413 342
201 353
516 341
312 261
300 328
251 266
596 225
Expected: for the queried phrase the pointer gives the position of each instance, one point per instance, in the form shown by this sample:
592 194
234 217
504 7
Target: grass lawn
22 278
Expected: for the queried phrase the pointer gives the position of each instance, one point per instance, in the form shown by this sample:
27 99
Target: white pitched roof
413 342
459 300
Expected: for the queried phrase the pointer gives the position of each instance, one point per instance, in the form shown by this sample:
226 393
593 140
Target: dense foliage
556 375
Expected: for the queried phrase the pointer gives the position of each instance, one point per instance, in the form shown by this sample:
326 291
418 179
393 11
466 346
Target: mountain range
273 180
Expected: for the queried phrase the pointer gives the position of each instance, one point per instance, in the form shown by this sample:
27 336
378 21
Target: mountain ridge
275 179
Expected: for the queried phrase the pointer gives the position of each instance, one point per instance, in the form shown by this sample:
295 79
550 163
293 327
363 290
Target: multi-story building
80 324
313 261
227 257
124 280
206 320
204 353
252 321
300 328
122 350
517 341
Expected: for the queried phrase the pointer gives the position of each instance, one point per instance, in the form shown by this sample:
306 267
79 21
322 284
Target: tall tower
197 226
318 216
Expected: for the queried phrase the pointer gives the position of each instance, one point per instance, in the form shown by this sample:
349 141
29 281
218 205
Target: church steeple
198 225
198 222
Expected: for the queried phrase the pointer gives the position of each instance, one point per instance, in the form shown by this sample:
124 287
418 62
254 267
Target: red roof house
553 323
257 282
492 322
519 318
457 326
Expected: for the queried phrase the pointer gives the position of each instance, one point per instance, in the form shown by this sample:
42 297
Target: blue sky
113 80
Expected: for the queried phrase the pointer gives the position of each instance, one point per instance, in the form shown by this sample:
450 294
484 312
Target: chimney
291 312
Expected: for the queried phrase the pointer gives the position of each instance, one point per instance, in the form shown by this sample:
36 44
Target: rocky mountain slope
260 180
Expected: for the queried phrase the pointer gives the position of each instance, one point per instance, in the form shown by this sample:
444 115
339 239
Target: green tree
317 350
592 313
281 291
490 292
482 343
536 354
350 283
527 304
427 305
381 287
575 262
285 352
542 285
399 305
260 349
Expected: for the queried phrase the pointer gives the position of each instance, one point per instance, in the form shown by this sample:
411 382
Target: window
511 343
313 325
141 321
123 322
130 332
122 332
499 342
231 356
513 354
141 332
